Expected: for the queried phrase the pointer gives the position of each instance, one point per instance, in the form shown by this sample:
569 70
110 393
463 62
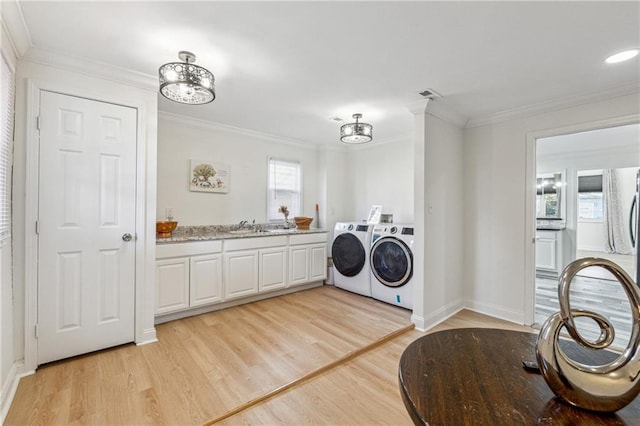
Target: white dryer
350 253
391 260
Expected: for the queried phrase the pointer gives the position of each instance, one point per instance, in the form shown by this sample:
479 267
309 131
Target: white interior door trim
145 215
530 205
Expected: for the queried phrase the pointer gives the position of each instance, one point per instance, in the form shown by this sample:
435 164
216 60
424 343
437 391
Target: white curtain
614 225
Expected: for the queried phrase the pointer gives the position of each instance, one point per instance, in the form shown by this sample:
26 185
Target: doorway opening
586 184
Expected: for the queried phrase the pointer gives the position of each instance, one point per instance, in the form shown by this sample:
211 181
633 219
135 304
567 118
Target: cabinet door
205 279
546 254
240 274
298 265
172 285
273 269
318 262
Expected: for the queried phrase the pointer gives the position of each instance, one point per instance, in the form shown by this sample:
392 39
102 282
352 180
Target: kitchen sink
243 231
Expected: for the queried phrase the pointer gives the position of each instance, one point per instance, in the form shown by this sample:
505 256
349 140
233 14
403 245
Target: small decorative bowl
164 229
302 223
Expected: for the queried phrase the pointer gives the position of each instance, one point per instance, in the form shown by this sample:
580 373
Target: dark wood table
474 376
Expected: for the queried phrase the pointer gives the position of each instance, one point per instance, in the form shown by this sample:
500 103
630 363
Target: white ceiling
285 68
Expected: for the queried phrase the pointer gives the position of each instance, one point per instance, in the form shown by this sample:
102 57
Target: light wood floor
205 366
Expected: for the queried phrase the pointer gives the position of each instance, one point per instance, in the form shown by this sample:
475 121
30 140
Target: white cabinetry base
216 307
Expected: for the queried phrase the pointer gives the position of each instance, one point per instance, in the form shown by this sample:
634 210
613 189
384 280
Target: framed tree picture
208 176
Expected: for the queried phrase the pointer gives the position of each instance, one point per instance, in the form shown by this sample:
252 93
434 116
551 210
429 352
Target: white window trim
268 205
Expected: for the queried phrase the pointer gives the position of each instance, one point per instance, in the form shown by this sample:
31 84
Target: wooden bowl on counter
302 223
165 228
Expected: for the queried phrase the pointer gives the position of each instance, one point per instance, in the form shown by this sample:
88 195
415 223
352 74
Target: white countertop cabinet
549 249
196 275
307 258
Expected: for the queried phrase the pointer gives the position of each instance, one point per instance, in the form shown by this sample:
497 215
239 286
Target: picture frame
208 176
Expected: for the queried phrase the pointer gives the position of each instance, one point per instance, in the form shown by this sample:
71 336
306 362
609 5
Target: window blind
284 188
6 148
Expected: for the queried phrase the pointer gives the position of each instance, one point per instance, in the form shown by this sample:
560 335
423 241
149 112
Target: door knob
127 237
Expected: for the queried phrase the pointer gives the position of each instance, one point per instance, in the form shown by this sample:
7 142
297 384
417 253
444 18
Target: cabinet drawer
188 249
320 237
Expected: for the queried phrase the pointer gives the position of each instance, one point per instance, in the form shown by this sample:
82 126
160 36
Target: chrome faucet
242 224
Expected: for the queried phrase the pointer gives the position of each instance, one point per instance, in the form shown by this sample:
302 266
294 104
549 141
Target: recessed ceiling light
622 56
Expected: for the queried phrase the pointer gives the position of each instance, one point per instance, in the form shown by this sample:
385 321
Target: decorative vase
603 388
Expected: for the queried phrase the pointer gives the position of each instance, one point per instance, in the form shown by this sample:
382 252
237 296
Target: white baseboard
495 311
435 318
148 336
10 386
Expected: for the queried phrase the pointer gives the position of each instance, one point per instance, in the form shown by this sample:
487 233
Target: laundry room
223 212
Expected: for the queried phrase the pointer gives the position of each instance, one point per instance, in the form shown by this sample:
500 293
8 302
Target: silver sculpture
604 388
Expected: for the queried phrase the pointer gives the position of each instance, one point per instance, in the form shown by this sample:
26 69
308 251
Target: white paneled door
86 226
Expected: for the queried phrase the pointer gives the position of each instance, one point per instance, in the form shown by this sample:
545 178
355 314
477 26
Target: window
6 149
590 202
284 188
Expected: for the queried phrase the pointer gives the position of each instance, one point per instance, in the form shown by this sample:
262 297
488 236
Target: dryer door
348 254
391 262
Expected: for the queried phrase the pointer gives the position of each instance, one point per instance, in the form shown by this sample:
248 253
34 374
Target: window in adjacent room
590 202
284 188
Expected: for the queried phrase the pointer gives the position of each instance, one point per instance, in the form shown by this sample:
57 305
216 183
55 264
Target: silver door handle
127 237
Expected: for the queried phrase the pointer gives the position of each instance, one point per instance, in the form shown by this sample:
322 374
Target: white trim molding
495 311
440 315
10 387
88 67
552 105
16 27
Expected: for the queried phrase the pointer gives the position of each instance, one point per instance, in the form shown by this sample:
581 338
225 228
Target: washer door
348 254
391 262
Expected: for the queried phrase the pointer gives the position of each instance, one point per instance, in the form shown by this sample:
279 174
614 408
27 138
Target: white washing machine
350 253
391 259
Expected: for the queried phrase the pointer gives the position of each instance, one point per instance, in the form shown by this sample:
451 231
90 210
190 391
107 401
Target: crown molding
436 108
212 125
418 107
440 110
553 105
16 27
86 66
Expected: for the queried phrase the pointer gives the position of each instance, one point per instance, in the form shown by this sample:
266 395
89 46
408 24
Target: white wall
338 204
497 236
382 175
438 212
444 219
181 139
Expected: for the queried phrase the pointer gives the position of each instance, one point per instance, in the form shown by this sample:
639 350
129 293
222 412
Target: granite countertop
224 232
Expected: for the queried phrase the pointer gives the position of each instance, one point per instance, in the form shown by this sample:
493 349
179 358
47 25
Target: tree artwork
202 177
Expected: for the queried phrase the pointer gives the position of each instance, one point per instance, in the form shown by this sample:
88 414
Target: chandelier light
357 132
185 82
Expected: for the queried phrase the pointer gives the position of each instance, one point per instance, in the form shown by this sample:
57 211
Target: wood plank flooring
207 365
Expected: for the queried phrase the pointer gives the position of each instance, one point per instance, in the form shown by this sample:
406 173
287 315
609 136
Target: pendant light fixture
185 82
357 132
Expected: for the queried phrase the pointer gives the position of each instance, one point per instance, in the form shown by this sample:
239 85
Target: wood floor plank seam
311 375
